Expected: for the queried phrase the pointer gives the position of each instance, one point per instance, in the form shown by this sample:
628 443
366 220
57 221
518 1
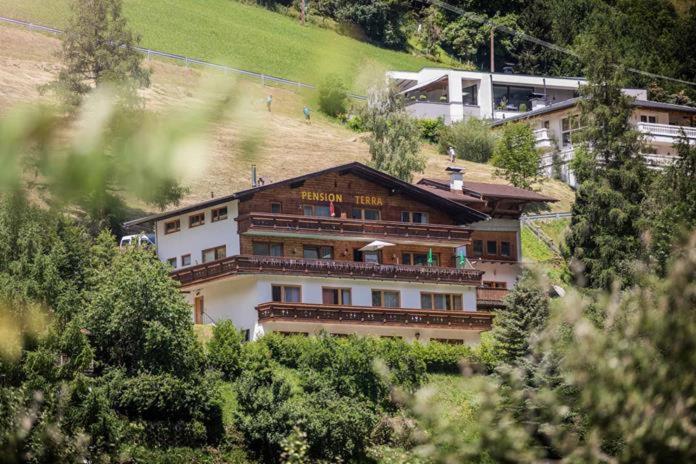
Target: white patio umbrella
376 245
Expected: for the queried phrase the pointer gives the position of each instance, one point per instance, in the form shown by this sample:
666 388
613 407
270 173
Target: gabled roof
462 213
482 191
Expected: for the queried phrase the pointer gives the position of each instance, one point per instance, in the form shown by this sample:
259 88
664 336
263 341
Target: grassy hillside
285 145
236 34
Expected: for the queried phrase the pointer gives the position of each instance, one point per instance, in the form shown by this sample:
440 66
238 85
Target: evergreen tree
394 141
515 155
604 235
670 208
525 312
98 48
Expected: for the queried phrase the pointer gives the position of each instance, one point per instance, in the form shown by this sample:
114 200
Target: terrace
287 225
241 264
321 313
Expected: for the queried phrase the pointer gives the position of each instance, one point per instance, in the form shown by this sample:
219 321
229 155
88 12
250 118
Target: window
196 220
276 208
318 210
185 260
491 284
547 124
441 301
317 252
172 262
267 249
336 296
246 335
511 98
218 214
416 217
478 247
505 249
286 293
212 254
448 341
470 95
569 125
419 259
172 226
491 247
365 214
386 298
371 257
649 119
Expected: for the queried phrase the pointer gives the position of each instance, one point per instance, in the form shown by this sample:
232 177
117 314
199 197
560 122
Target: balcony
238 265
665 133
288 225
542 138
319 313
490 297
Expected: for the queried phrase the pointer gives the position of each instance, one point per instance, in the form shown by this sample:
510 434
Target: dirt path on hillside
283 145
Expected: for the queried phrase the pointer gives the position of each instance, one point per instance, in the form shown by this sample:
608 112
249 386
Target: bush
515 155
472 139
430 129
225 349
442 357
356 123
333 96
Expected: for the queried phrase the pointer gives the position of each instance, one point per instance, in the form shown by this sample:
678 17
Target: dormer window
196 220
172 226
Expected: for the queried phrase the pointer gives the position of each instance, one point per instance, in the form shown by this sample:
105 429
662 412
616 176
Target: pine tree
98 48
604 236
525 312
670 209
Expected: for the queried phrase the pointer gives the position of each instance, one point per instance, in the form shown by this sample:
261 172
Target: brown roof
479 190
449 194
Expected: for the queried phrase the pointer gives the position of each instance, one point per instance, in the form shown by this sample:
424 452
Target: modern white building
661 124
455 95
349 250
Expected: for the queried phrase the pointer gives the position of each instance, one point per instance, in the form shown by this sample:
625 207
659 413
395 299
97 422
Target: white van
139 239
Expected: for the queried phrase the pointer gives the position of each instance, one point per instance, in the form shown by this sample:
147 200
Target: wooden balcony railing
490 297
342 227
302 312
242 264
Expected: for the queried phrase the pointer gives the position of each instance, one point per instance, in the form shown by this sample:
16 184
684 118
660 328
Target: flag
332 211
430 256
462 259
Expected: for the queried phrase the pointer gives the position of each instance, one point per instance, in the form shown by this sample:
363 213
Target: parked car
139 239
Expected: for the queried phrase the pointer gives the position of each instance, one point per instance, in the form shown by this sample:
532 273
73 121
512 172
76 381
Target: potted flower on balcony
423 97
443 98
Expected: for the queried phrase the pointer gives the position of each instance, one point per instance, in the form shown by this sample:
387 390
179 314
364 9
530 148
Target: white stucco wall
194 241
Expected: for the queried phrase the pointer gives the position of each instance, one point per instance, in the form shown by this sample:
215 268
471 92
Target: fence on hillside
536 217
264 78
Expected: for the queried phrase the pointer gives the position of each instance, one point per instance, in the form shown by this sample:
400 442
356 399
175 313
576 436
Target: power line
529 38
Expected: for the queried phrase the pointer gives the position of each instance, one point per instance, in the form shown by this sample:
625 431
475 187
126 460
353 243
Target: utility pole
492 49
302 13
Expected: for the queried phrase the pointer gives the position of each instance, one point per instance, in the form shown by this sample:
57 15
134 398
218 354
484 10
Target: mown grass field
237 34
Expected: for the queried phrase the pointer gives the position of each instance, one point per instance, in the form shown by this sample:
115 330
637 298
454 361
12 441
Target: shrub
356 123
430 128
472 139
333 96
225 349
442 357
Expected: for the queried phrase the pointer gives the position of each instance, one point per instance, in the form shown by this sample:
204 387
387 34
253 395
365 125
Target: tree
333 96
472 139
98 48
524 313
394 141
604 236
670 207
430 30
516 157
138 319
225 349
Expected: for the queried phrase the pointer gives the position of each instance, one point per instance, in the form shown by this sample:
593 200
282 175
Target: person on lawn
306 115
269 100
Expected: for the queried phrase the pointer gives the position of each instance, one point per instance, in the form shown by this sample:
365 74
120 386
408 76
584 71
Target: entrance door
198 310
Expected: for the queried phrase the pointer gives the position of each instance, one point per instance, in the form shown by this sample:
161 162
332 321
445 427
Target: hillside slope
287 147
236 34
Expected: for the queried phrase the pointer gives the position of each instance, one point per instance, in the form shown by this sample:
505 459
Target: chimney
253 175
456 178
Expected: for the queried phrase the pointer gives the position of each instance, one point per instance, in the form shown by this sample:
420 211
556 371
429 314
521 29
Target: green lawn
554 229
236 34
536 251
